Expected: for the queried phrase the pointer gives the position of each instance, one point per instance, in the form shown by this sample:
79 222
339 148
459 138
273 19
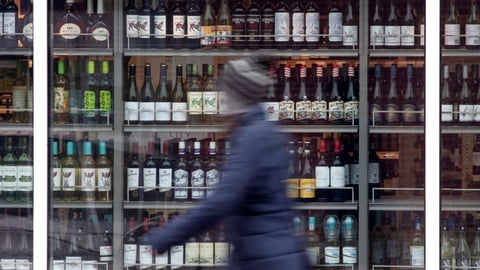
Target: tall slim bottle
131 22
475 256
267 25
178 24
472 27
165 173
351 99
163 104
145 24
312 25
336 109
307 178
322 173
392 102
150 174
373 171
319 103
239 25
193 14
27 27
133 175
147 101
447 250
350 26
335 25
105 95
25 170
75 92
462 250
446 99
145 249
303 104
270 103
70 174
282 25
88 177
331 228
131 98
210 98
407 27
61 95
298 24
101 32
197 174
160 38
180 174
10 25
56 173
466 106
104 173
130 246
392 27
417 245
90 96
194 97
337 173
253 25
349 240
179 99
451 28
409 117
207 25
287 105
377 27
68 27
223 28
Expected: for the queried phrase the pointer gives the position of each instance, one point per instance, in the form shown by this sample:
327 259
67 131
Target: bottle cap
87 148
465 71
54 148
378 71
70 148
61 67
163 70
409 71
393 71
102 148
105 67
91 67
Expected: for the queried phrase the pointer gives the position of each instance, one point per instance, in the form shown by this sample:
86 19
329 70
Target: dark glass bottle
179 99
307 178
131 25
420 15
420 93
392 27
88 179
298 24
101 30
466 106
147 101
287 104
178 23
131 99
90 96
212 171
312 25
476 93
210 98
267 28
165 173
2 10
194 97
336 109
350 26
160 38
409 117
68 27
282 25
150 177
197 173
180 175
163 104
239 25
27 27
392 102
130 246
351 99
322 174
193 14
337 173
105 95
253 25
446 99
354 170
11 24
319 103
373 171
451 29
377 27
61 93
457 89
335 27
376 118
303 104
472 27
105 248
145 24
133 175
407 28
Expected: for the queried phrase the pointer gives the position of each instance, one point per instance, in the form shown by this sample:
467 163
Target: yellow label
292 188
224 34
307 188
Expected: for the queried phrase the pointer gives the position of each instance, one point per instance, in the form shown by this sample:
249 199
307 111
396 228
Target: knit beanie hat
244 82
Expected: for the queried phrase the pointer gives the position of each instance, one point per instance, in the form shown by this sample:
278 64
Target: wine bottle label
149 179
143 26
466 112
161 259
28 31
176 255
70 31
133 177
178 26
165 178
179 111
377 35
312 26
287 110
198 180
194 102
408 35
212 179
87 176
417 254
221 253
313 254
145 254
57 179
446 263
207 35
89 99
408 113
223 34
422 34
319 110
476 262
373 173
89 265
192 253
349 255
447 113
9 26
180 179
105 102
350 35
7 264
239 24
392 112
307 188
160 26
282 26
129 254
101 34
59 100
271 110
337 176
25 178
106 253
73 263
335 26
336 110
131 22
354 174
22 264
476 112
206 253
163 110
131 110
193 27
298 27
304 110
332 255
293 186
322 176
351 111
210 102
392 35
147 111
268 27
68 178
58 265
452 34
253 27
223 103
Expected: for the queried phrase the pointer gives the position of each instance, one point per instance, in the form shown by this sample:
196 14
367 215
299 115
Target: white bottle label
312 26
193 27
28 31
337 176
57 179
192 253
271 110
106 253
319 110
198 180
304 110
351 111
22 264
408 35
373 171
350 35
178 26
476 112
210 102
149 179
162 111
25 178
133 176
161 259
335 26
129 254
221 252
131 22
131 110
87 176
322 177
354 174
89 265
223 102
377 35
180 179
70 31
9 23
452 34
466 113
336 110
282 26
145 254
101 34
10 177
176 255
68 179
447 113
313 254
143 26
212 178
417 254
206 252
287 109
298 27
179 111
194 103
165 179
104 179
58 265
392 35
160 26
73 263
332 255
147 111
349 255
8 264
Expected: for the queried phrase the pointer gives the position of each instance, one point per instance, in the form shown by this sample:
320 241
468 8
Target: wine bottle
131 99
335 27
282 25
409 117
197 174
101 30
179 99
27 27
349 240
131 25
105 249
447 250
373 171
212 172
70 174
165 173
466 106
319 103
239 25
149 174
210 98
25 170
10 25
332 241
472 27
462 250
130 246
90 96
207 25
407 27
267 28
312 242
147 102
68 27
223 27
377 27
392 104
271 104
392 27
163 104
337 173
287 105
293 181
221 248
104 173
133 175
192 251
75 92
145 24
178 22
452 27
336 109
61 94
2 10
160 38
193 14
73 256
312 25
161 259
307 178
298 24
420 14
303 103
194 97
322 174
88 178
475 256
180 174
476 93
253 25
350 27
56 173
105 95
145 249
91 253
351 99
446 98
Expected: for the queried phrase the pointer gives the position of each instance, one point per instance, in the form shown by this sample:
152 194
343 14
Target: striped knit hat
245 82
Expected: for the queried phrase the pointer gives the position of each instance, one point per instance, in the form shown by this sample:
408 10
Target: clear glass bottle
70 174
331 228
407 27
90 96
417 244
392 27
104 173
409 117
466 104
447 250
25 170
312 242
392 102
88 174
131 98
451 28
350 26
377 27
61 94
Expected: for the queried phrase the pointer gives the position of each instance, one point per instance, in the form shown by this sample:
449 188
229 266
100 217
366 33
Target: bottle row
16 248
19 106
